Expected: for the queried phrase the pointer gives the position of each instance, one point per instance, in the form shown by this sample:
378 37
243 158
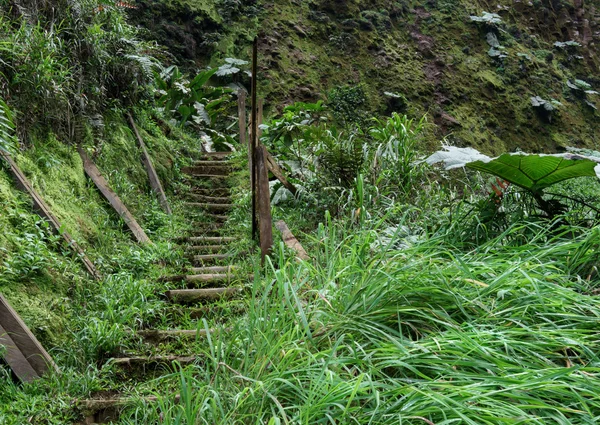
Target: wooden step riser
212 163
207 249
104 411
214 156
209 199
188 296
204 311
201 240
150 363
212 192
220 170
207 183
215 208
214 269
201 260
159 336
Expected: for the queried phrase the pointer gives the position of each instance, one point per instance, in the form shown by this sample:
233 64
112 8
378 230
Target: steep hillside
524 78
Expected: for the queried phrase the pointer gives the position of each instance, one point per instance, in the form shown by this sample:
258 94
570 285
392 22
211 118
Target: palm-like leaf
535 172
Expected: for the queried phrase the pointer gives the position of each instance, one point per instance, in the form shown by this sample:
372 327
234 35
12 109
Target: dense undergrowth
431 297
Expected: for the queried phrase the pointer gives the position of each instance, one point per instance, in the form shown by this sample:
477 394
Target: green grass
502 334
400 317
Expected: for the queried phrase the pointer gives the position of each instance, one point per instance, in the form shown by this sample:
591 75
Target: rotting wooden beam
264 203
278 172
94 173
40 206
204 294
23 352
15 359
242 116
254 137
290 240
155 183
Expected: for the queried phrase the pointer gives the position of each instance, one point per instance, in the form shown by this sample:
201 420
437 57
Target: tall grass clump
382 330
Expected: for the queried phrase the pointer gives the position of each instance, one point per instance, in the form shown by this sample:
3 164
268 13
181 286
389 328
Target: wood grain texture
15 359
155 183
278 173
290 240
41 208
16 336
94 173
264 203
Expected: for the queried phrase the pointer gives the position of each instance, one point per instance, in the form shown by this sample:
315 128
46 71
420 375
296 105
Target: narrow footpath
210 278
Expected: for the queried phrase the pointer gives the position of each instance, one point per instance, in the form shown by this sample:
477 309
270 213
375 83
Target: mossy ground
429 52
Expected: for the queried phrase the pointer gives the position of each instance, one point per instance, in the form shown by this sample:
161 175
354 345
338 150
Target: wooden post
290 240
254 142
94 173
43 210
264 203
152 176
242 117
24 354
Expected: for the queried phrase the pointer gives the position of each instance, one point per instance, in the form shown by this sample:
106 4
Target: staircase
210 278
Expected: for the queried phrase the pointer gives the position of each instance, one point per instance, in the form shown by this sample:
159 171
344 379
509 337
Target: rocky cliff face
499 75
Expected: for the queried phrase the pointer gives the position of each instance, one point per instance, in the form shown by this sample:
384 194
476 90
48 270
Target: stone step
197 295
209 207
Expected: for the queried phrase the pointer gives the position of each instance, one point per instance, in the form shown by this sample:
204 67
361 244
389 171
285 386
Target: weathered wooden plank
44 211
205 294
253 138
290 240
15 359
264 203
278 172
242 116
155 183
94 173
24 342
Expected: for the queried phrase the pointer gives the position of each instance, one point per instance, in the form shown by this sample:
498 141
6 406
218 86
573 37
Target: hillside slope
475 80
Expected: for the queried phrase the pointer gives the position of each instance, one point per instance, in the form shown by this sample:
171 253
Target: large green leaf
535 172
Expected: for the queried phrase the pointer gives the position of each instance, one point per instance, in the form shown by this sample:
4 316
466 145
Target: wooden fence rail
94 173
152 176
